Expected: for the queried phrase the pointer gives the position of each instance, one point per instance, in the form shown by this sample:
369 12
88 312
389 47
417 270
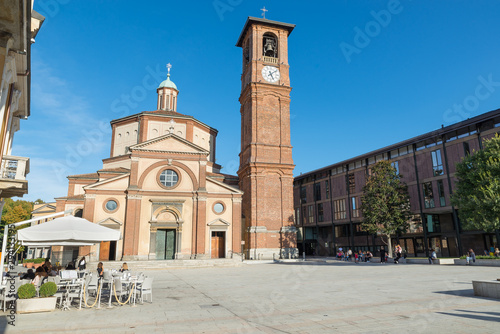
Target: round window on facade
219 208
111 205
169 178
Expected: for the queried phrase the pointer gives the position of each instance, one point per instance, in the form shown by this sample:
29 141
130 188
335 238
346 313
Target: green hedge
483 257
26 291
40 260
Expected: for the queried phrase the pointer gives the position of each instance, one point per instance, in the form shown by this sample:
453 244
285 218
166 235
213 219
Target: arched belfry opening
270 45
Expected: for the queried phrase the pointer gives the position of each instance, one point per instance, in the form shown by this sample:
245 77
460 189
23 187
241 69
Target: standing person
433 256
82 264
398 251
382 254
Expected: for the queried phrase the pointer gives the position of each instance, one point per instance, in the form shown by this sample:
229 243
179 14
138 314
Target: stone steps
166 264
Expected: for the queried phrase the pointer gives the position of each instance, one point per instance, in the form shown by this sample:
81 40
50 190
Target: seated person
433 256
368 256
124 267
29 275
51 271
40 275
70 266
100 270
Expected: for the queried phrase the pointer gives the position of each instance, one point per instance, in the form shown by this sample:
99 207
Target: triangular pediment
169 143
218 222
117 182
214 186
44 208
110 223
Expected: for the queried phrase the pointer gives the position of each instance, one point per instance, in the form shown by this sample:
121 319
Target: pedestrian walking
382 254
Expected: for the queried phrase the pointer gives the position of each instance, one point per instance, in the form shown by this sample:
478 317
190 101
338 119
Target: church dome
168 83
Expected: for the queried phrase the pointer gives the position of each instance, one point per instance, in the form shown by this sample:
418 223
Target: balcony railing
271 60
14 168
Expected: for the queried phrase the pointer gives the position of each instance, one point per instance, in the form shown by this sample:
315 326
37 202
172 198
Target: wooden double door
165 244
218 245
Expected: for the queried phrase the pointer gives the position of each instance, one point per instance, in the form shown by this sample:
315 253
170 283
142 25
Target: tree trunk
389 245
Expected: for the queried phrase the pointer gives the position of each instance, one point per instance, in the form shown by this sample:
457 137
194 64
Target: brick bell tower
266 165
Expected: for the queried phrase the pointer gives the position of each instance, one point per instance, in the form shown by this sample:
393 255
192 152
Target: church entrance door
165 244
107 251
218 245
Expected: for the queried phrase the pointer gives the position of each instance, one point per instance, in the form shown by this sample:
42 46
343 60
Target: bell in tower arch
270 48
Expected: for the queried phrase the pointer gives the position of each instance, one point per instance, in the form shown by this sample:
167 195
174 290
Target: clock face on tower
271 73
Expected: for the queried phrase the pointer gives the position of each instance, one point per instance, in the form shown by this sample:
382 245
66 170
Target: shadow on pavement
461 293
484 316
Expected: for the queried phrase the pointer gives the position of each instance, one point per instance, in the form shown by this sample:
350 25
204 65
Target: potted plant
28 263
27 303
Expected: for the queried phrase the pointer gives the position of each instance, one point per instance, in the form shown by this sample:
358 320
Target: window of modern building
304 216
437 163
355 207
317 191
358 230
297 216
340 212
320 212
303 194
442 200
466 148
327 189
310 211
350 181
433 224
341 231
428 195
395 164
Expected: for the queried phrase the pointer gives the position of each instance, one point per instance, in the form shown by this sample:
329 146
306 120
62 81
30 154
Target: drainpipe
351 232
426 247
316 215
454 211
330 190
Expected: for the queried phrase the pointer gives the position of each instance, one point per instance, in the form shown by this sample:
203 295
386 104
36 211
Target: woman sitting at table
100 271
124 267
40 274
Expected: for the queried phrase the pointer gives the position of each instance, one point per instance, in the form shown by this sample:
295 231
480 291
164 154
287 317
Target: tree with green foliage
477 194
385 203
13 212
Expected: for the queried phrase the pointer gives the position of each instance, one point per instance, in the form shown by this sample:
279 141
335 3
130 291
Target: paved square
310 297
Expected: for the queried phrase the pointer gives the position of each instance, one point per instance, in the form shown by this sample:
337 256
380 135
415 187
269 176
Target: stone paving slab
308 297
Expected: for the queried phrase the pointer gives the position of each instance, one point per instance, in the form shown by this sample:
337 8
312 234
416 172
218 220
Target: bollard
304 256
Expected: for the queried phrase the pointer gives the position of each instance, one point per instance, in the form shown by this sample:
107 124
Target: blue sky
365 74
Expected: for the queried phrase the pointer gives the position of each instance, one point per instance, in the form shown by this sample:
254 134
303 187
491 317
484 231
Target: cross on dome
169 66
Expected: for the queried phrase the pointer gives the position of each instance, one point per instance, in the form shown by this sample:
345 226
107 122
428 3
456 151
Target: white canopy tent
66 231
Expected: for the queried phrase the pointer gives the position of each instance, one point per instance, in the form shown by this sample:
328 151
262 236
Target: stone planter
34 305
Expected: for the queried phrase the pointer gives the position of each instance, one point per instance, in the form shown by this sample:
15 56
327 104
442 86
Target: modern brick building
327 200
